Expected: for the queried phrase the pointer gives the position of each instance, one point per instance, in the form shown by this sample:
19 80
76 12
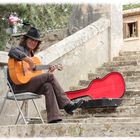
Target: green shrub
45 17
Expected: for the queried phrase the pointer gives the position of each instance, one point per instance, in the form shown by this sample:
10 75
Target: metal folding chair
10 95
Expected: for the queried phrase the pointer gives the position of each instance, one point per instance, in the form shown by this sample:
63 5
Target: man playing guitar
42 84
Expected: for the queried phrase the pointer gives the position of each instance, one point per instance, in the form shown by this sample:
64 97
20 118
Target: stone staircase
121 121
128 64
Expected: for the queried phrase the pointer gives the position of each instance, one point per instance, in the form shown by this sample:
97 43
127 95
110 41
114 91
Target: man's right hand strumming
30 62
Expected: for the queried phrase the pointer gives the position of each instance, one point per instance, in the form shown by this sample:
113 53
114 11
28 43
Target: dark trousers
47 85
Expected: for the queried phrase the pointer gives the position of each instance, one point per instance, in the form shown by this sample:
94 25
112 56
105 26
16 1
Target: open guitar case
103 92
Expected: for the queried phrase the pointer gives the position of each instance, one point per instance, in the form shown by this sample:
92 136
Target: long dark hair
23 42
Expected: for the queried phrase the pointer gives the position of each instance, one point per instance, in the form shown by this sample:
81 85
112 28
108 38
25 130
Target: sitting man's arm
16 53
19 55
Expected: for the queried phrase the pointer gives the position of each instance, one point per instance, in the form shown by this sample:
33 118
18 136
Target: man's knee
51 77
47 85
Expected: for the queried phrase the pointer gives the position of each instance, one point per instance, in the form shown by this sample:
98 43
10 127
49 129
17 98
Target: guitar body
110 86
20 72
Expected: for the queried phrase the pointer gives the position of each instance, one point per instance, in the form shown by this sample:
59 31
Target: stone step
132 86
128 79
84 83
112 119
121 69
126 58
73 88
132 79
129 82
132 83
131 73
129 92
102 119
115 129
79 114
129 85
132 93
128 53
122 63
124 73
92 76
121 111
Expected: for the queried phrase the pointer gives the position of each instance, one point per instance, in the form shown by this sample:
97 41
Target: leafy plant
131 6
45 17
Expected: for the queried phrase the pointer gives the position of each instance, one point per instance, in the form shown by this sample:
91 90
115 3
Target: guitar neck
42 67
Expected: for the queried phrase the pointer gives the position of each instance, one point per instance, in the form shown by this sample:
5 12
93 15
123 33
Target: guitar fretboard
42 67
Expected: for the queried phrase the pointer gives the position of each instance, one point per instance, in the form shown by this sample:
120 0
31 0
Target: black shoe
55 121
72 106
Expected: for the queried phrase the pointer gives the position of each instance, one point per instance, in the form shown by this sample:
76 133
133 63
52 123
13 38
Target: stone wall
79 53
52 37
48 39
116 30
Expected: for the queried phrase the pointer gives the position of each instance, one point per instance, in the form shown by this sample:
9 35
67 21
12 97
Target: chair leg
38 111
19 112
2 106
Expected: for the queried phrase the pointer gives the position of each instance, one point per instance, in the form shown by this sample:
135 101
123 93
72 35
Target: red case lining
110 86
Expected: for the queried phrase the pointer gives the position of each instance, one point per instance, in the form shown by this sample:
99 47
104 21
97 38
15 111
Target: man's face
31 43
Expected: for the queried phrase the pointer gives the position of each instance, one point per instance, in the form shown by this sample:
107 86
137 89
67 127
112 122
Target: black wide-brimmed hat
33 33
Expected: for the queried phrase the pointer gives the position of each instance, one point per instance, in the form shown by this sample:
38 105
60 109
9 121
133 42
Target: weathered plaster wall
84 50
116 30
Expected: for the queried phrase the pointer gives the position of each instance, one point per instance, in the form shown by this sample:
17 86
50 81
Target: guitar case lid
110 86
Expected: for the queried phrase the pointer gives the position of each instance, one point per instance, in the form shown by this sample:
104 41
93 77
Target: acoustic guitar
111 86
20 72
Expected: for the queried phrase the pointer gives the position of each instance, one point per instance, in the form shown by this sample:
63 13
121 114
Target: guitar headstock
59 67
